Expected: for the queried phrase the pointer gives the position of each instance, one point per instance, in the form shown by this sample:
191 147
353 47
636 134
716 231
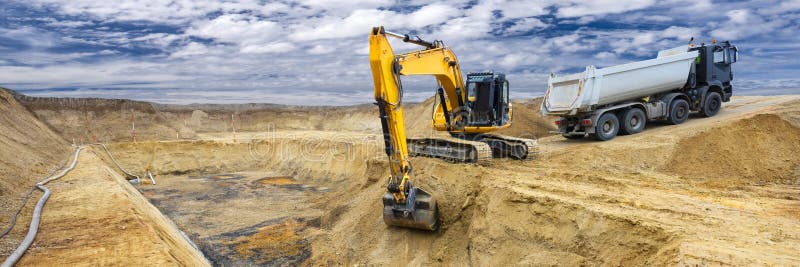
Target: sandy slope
93 215
29 151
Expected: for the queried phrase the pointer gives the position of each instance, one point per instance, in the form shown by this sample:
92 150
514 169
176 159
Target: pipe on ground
37 214
134 181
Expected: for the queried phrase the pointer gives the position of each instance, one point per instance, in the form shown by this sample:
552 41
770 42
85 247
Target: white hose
37 214
137 180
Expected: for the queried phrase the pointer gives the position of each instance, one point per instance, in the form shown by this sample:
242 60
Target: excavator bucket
419 211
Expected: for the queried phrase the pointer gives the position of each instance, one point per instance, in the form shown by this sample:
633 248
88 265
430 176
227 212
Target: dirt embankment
118 120
93 216
29 151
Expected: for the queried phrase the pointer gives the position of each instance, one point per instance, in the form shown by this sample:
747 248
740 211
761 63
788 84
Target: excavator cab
487 99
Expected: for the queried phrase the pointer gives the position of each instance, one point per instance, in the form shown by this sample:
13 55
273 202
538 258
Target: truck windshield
719 56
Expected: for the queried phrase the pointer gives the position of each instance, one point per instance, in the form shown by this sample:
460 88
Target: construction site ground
712 191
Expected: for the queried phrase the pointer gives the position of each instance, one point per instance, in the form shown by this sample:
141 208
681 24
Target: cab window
719 56
471 90
505 92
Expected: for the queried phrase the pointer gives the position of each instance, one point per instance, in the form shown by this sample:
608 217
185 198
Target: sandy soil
95 217
712 191
29 151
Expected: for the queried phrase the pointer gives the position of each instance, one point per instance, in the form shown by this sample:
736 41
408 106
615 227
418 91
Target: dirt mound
527 121
761 149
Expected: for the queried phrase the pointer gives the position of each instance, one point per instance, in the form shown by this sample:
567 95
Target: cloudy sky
315 51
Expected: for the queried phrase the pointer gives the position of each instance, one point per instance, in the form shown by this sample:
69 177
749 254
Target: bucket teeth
422 213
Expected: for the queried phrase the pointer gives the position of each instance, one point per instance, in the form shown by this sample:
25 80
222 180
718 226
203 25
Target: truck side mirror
735 54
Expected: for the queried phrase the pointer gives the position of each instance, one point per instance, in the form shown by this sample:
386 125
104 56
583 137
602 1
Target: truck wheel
607 127
633 121
678 111
711 105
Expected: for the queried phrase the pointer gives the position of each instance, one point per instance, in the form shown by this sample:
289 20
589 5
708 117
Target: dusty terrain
302 188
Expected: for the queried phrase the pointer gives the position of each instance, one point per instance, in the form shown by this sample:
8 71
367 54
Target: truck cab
713 67
487 99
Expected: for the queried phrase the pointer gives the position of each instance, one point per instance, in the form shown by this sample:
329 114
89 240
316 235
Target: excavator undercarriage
473 148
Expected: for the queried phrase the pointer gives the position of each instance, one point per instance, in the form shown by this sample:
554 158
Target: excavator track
451 149
513 147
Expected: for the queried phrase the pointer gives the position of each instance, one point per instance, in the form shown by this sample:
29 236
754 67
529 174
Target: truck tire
607 127
711 105
632 121
678 111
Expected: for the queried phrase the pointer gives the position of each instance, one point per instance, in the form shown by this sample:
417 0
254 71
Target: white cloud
526 24
521 9
237 28
742 23
251 34
359 22
343 7
278 47
605 55
680 33
159 39
320 49
431 15
164 11
191 49
600 7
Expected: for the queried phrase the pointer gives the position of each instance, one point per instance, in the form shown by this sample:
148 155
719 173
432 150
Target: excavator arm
404 204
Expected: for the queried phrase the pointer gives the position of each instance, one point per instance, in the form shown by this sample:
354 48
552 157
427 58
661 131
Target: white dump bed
569 94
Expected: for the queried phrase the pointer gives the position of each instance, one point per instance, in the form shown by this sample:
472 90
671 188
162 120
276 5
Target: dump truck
621 99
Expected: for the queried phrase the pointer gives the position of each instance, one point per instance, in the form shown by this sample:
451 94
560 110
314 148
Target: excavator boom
404 205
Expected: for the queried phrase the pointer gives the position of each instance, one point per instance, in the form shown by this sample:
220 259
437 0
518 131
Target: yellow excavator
468 113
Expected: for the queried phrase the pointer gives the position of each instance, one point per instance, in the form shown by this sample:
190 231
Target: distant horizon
419 99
